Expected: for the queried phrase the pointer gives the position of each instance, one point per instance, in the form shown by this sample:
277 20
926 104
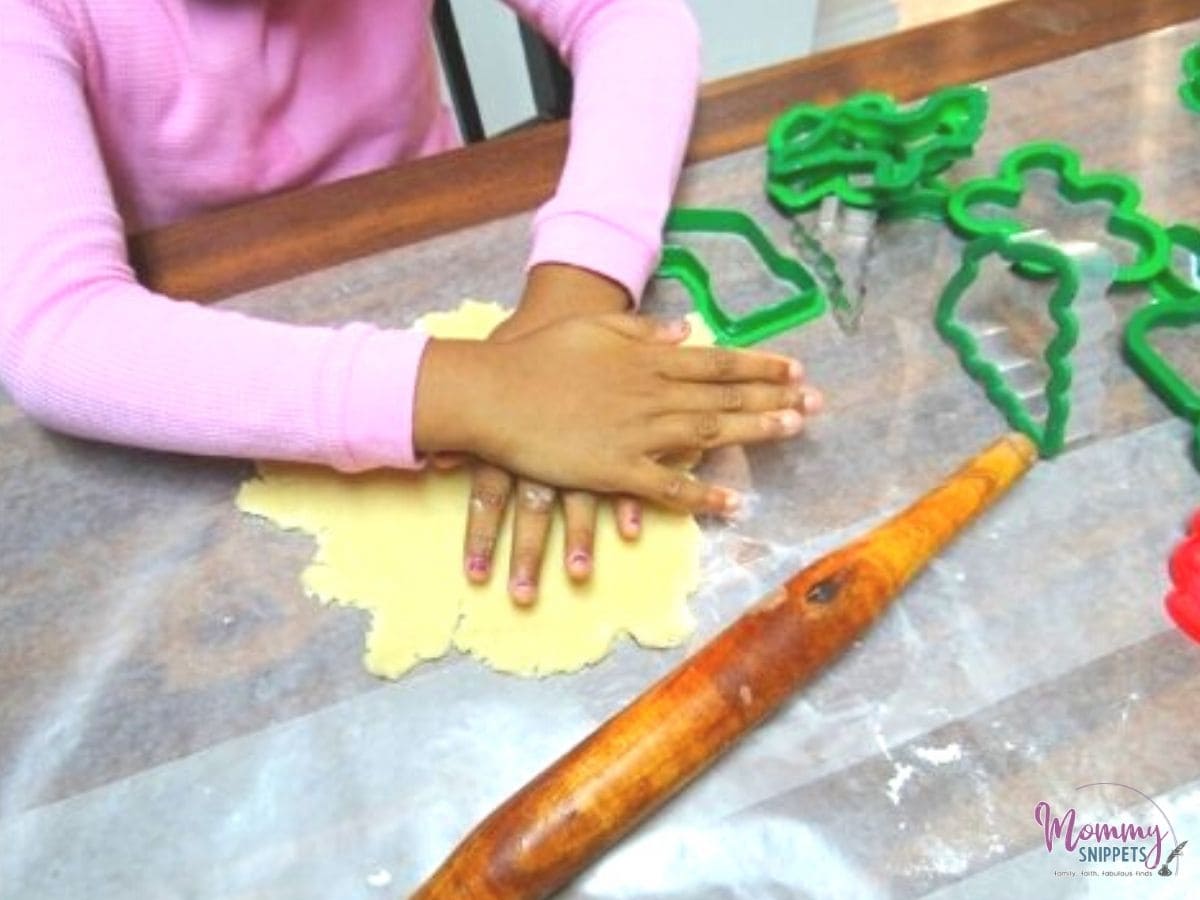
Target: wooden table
177 720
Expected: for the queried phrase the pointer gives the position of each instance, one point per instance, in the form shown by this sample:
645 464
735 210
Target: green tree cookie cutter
1125 221
867 151
1189 91
1176 306
679 263
1051 435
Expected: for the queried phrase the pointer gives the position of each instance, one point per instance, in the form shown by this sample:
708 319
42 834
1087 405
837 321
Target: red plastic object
1183 603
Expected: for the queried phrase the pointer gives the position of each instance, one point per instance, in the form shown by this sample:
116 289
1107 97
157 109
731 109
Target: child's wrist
556 290
451 388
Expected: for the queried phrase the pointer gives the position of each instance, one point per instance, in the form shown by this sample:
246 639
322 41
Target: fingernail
795 370
788 421
633 521
812 401
477 564
732 502
522 588
579 559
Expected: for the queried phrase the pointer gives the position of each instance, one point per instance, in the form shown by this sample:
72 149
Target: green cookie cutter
681 264
1169 285
1050 436
867 151
1181 396
1189 91
1125 222
1176 306
927 200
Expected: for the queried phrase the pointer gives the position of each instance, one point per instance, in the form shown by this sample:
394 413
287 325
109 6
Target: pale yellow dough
391 543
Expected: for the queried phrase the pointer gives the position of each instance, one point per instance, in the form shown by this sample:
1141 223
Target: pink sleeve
84 349
636 68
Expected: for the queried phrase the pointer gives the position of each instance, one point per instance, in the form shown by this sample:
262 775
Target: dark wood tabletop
265 241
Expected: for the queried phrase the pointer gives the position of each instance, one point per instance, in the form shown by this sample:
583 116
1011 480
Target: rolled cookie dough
390 542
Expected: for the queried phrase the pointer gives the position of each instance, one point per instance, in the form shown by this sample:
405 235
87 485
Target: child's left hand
552 292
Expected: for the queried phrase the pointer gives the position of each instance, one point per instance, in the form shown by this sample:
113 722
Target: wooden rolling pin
567 816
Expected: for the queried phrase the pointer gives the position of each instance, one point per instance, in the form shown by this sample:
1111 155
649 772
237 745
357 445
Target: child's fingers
579 511
687 431
628 511
490 488
753 397
677 490
531 525
716 364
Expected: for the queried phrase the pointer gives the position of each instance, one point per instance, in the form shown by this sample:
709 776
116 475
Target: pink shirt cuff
380 401
584 240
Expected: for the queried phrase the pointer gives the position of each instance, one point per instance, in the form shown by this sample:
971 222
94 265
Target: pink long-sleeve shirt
116 114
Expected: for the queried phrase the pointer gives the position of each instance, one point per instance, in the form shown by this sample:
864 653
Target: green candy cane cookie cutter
679 263
1189 90
1126 221
1176 306
1050 436
867 151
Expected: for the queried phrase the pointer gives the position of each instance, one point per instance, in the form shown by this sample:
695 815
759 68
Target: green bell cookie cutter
681 264
1181 396
1125 221
814 152
1189 91
1176 306
1050 436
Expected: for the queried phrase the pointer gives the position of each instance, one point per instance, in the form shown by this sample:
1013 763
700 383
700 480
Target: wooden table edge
271 239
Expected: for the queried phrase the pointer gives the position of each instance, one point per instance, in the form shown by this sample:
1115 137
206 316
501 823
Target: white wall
740 35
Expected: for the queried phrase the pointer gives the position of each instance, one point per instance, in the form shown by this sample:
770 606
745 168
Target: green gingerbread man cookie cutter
867 151
1125 222
679 263
1176 306
1189 90
1050 435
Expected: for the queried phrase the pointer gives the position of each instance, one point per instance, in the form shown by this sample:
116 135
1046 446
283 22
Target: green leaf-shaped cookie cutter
1051 435
1189 91
867 151
1125 221
1176 306
681 264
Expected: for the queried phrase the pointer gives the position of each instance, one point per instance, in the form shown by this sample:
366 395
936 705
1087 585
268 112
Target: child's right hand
595 402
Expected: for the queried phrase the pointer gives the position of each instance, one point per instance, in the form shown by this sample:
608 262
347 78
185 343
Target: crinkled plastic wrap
178 721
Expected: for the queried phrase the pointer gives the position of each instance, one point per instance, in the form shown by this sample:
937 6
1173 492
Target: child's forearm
119 364
636 68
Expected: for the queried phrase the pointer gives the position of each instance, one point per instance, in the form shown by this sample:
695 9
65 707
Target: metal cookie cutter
1125 222
839 252
864 159
805 302
1189 91
1072 394
1183 602
1176 305
867 151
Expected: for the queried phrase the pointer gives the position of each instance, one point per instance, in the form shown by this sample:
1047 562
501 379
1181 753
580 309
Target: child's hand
594 402
552 292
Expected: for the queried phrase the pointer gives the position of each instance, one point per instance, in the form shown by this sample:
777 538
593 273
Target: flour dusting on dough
390 542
